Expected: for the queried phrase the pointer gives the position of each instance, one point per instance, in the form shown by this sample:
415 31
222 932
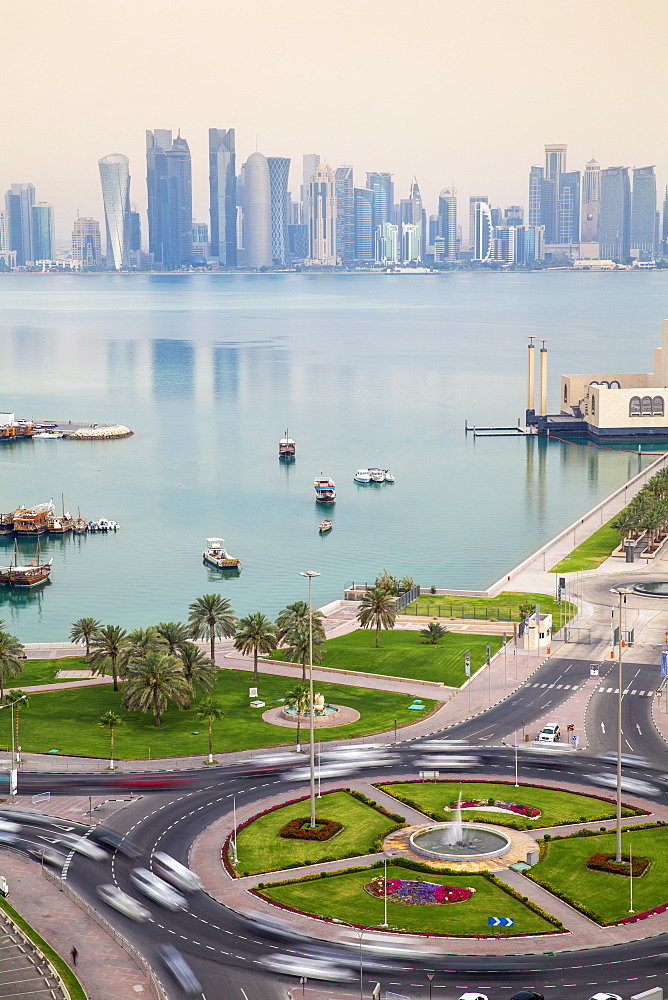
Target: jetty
12 429
513 431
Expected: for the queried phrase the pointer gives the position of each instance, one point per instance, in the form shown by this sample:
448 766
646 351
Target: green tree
377 610
211 617
209 711
83 630
526 609
175 635
153 681
199 670
19 699
112 722
387 583
298 698
292 629
106 648
139 643
11 662
255 634
433 632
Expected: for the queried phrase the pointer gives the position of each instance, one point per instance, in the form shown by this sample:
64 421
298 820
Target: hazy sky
463 90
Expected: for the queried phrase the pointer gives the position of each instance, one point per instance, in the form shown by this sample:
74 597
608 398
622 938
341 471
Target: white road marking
602 728
639 729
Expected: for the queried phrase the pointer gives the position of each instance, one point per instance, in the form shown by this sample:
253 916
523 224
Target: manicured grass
44 671
504 608
564 867
73 985
343 897
261 849
557 808
69 720
592 552
403 653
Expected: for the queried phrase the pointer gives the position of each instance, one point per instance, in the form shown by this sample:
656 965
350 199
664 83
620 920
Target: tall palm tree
292 627
83 630
197 668
112 721
298 698
11 663
107 646
139 643
209 711
175 635
377 610
255 634
153 681
211 617
299 647
19 699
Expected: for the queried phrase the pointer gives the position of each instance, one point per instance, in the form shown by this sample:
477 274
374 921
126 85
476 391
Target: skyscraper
310 163
536 178
411 250
345 214
482 218
643 211
86 242
157 144
223 196
568 207
42 231
555 160
179 206
383 197
664 226
614 221
364 233
387 243
135 230
513 215
447 223
322 216
591 197
555 166
115 178
279 170
473 201
257 211
19 201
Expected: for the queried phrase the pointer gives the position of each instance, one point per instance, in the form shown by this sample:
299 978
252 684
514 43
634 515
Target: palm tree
112 721
377 610
11 653
107 645
209 711
83 630
292 629
175 635
298 698
255 634
211 617
19 699
197 668
433 632
153 681
299 648
139 643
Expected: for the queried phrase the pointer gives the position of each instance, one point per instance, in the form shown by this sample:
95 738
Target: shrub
300 829
432 589
605 863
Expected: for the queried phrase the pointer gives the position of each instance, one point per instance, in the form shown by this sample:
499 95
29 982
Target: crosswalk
557 687
641 694
599 690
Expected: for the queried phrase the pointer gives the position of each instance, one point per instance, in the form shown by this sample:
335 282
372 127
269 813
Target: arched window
615 385
593 383
634 406
647 406
565 392
657 406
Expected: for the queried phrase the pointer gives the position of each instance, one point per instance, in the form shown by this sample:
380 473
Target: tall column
530 374
543 381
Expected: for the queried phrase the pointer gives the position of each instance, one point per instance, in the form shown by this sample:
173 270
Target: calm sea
209 370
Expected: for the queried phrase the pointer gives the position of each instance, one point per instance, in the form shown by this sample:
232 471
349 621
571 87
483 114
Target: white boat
215 554
362 476
389 478
286 448
103 524
325 489
48 434
325 525
377 475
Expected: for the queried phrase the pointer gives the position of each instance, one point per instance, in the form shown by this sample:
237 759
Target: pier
497 431
12 429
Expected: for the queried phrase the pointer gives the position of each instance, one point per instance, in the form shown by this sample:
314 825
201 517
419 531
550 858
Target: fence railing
441 609
407 598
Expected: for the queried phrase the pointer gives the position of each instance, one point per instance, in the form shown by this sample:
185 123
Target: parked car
176 873
551 733
158 890
125 904
179 968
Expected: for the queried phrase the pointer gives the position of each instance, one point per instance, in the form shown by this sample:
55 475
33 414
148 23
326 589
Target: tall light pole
621 592
310 574
13 773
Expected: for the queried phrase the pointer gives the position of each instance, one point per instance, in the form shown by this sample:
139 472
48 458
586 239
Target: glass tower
42 230
279 171
364 231
614 221
19 202
447 223
345 214
257 211
223 196
568 208
643 211
115 178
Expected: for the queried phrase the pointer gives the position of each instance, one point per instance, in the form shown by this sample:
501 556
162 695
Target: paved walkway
24 972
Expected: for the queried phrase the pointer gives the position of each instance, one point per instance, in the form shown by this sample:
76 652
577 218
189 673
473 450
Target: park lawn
504 608
68 721
403 653
592 552
44 671
343 897
557 807
261 849
563 867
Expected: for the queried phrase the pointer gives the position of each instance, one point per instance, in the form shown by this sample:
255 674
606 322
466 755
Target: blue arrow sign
664 662
500 921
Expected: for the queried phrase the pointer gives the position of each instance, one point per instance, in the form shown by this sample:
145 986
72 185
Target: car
449 761
6 826
179 969
527 995
633 785
129 907
158 890
605 996
49 856
83 846
551 733
473 996
302 965
116 841
26 817
341 770
173 871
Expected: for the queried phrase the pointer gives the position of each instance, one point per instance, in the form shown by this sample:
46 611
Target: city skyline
264 91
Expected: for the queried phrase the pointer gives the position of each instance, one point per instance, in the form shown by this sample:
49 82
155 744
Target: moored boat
325 489
7 523
362 476
28 574
325 525
32 520
377 475
286 447
79 526
215 554
389 478
58 524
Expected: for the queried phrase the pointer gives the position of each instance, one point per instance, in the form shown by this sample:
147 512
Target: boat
286 447
79 526
389 478
57 524
325 525
215 554
325 489
7 523
53 435
362 476
26 575
377 475
32 520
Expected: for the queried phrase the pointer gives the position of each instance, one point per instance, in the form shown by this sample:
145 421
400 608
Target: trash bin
526 737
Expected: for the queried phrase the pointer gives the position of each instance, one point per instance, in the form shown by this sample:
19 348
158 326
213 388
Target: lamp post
361 931
12 773
310 574
621 593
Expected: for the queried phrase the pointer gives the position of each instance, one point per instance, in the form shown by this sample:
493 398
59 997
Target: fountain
459 841
655 588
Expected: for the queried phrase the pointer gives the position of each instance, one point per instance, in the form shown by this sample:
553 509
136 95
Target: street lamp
361 931
621 592
12 773
310 574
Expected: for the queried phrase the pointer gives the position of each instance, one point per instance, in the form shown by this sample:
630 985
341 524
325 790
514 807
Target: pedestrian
74 953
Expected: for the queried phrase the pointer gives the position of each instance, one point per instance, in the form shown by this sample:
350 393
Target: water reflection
173 368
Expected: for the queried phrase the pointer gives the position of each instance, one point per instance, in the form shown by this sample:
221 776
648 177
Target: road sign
488 650
593 669
467 663
664 662
500 921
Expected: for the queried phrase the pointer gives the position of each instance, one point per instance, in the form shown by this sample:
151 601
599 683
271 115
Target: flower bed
300 829
514 807
605 863
412 893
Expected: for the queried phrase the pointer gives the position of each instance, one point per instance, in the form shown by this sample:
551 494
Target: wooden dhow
32 520
27 574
